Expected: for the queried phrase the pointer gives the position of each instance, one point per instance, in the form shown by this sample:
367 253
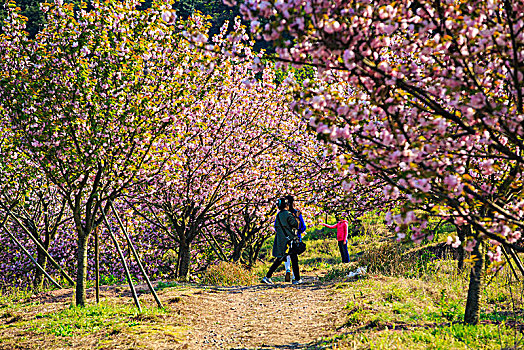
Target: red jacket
342 230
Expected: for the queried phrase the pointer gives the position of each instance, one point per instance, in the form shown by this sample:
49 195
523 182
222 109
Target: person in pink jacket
342 238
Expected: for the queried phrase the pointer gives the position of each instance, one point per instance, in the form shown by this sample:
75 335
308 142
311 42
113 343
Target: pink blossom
470 244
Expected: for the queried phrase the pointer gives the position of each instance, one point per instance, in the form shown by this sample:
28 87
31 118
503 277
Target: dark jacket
285 226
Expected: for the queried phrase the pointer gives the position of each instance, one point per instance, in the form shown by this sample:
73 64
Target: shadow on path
291 346
66 295
310 283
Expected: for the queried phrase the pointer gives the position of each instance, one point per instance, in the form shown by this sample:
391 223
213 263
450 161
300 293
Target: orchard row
420 105
141 111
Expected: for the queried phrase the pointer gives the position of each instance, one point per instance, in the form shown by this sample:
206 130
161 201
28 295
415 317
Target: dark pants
343 247
294 265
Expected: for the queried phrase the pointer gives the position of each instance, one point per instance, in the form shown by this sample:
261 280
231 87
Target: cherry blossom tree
428 93
246 230
244 227
223 155
41 215
90 95
29 210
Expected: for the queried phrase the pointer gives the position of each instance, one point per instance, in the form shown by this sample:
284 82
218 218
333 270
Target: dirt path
281 316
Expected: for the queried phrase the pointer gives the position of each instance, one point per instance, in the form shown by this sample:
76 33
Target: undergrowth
338 272
412 297
228 274
110 324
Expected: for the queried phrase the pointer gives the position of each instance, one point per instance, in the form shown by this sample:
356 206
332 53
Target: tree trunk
184 257
237 251
38 283
471 315
460 263
250 252
42 260
462 233
81 272
254 251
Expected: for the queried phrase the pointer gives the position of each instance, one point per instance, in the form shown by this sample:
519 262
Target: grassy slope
113 324
413 300
405 302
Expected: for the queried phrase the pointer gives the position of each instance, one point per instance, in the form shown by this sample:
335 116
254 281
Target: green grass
454 336
106 325
74 321
338 271
319 255
163 285
14 296
405 313
409 299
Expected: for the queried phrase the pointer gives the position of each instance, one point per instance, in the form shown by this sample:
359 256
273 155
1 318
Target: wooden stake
510 264
30 256
150 286
516 259
46 253
220 254
97 268
122 258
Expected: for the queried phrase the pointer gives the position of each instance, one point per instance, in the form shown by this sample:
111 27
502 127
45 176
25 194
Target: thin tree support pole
517 260
135 253
31 257
220 253
46 253
97 268
510 264
222 257
218 246
122 258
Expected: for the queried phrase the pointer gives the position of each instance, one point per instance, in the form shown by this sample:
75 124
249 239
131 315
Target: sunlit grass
409 299
441 337
229 274
59 325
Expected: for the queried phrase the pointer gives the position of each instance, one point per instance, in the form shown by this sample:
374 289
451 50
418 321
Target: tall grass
391 258
229 274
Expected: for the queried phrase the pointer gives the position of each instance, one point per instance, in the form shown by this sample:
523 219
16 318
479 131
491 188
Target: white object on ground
358 272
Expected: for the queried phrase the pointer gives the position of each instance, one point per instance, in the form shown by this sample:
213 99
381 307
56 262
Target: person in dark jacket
285 226
301 231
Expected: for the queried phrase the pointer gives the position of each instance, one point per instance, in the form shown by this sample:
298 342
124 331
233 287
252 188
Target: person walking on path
342 238
285 226
301 230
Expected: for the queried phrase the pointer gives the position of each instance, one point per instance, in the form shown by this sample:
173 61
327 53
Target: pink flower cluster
427 98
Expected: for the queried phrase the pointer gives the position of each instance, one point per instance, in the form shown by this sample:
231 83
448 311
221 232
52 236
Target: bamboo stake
510 264
46 253
135 253
30 256
221 253
516 260
97 268
122 258
179 257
